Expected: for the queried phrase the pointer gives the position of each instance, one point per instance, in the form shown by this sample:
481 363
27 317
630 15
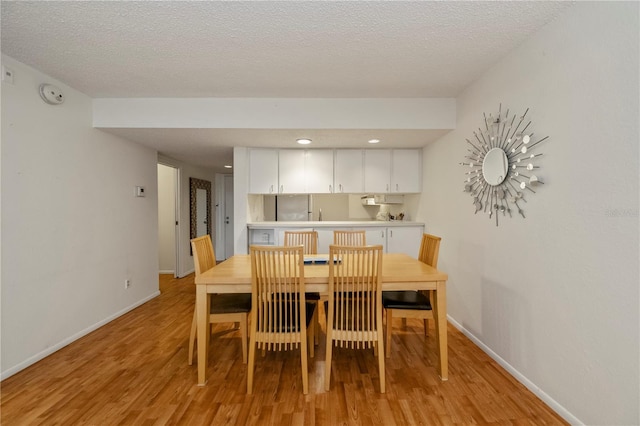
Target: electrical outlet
7 74
127 283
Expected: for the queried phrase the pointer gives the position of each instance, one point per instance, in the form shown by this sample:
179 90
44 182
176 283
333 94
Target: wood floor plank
133 371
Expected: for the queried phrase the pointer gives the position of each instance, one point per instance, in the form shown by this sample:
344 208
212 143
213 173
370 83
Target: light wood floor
134 371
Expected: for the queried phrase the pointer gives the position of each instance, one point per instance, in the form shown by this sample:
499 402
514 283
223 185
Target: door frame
177 234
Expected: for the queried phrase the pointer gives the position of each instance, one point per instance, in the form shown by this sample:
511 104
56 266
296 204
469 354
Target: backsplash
335 207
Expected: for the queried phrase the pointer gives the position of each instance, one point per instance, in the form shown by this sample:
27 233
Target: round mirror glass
494 166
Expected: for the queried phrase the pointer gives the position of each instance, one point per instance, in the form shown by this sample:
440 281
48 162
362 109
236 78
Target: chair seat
405 300
230 303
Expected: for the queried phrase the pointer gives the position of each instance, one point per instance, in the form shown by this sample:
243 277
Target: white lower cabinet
404 239
325 238
376 235
394 239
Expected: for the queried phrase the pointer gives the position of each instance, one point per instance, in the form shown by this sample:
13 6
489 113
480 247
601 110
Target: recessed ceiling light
304 141
374 140
227 166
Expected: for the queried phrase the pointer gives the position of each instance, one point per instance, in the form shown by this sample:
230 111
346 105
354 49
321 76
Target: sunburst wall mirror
502 165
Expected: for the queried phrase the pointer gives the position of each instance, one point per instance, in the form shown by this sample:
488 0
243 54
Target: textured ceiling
312 49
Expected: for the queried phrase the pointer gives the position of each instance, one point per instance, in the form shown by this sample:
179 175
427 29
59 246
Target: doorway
224 239
228 216
168 217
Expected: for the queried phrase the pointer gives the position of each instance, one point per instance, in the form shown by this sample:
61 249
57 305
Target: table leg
440 315
202 307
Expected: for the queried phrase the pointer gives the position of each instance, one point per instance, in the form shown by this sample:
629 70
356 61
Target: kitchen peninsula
394 236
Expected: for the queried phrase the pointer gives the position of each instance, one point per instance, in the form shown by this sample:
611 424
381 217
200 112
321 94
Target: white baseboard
184 274
555 406
37 357
166 271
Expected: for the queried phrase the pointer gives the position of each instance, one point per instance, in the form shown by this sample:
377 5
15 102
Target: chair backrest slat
349 238
429 250
307 239
278 296
355 294
204 257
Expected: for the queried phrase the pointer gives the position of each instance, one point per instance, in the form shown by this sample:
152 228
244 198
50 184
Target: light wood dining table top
399 272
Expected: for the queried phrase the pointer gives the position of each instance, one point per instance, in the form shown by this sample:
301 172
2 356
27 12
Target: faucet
320 215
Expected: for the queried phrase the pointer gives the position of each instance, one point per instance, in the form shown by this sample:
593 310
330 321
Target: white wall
185 171
166 219
555 296
72 228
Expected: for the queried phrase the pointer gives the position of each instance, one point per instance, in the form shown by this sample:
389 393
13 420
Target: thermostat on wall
139 191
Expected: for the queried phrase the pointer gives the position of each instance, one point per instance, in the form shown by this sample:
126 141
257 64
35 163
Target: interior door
228 216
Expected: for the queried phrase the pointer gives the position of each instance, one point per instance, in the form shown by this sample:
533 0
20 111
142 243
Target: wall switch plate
127 283
139 191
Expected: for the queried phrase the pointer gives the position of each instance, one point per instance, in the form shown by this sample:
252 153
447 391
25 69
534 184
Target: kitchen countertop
331 224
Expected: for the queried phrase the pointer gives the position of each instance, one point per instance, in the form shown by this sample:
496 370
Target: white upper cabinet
291 171
325 171
349 173
406 171
392 171
319 171
377 170
263 171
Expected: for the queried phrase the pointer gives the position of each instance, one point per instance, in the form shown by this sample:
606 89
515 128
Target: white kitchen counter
332 224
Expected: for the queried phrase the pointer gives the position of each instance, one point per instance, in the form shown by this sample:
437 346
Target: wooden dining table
399 272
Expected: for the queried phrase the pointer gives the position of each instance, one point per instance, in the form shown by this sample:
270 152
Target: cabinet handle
387 187
391 233
341 190
271 189
382 234
331 189
397 188
281 189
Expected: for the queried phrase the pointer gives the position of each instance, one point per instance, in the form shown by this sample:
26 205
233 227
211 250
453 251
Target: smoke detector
51 94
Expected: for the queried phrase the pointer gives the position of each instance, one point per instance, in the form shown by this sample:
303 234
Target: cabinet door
318 169
291 171
376 235
325 238
406 170
404 239
377 170
349 173
263 171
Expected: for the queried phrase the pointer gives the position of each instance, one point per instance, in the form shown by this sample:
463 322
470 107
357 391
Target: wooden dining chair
281 319
349 238
230 307
308 240
412 304
355 306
